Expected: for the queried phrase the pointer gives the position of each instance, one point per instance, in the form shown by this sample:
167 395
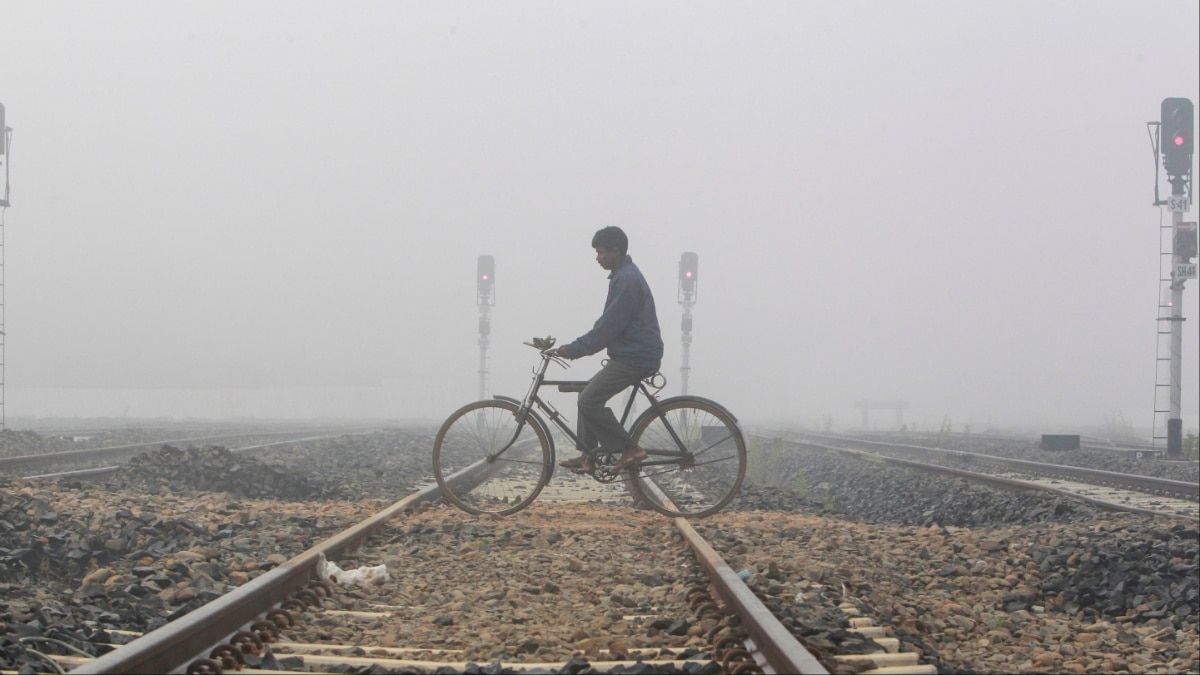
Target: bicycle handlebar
555 358
545 346
541 344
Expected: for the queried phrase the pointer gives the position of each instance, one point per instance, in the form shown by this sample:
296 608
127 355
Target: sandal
580 464
631 456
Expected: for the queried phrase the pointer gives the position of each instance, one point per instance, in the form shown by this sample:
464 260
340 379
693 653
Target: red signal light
688 273
485 278
1178 123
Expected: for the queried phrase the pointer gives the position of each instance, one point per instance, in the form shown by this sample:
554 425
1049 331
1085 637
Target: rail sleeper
892 661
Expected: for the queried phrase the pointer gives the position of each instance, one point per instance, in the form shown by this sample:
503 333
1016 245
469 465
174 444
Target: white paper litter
363 576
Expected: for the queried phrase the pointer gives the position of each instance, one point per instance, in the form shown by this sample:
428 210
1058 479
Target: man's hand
560 352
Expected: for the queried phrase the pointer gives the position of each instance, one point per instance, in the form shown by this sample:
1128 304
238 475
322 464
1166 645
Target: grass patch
766 468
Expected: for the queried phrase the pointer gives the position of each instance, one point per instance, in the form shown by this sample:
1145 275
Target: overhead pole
485 298
687 294
1177 143
5 144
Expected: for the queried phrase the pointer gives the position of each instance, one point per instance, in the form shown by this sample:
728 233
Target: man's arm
612 322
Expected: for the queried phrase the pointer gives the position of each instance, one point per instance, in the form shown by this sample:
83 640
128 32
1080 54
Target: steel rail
50 458
107 470
1145 483
79 473
172 647
1010 484
192 636
781 650
1086 442
175 645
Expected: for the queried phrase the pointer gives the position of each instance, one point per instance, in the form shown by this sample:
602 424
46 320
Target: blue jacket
629 325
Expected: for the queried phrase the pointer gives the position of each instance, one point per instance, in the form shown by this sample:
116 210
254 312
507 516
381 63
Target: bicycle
495 456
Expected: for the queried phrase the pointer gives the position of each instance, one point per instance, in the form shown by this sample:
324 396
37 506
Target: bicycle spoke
674 466
727 439
501 466
695 480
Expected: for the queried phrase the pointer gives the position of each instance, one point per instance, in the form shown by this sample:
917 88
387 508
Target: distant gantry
867 406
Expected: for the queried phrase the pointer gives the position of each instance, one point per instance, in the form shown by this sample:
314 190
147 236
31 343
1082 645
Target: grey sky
948 202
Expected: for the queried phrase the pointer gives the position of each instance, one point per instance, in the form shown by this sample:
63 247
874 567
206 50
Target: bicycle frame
532 400
496 456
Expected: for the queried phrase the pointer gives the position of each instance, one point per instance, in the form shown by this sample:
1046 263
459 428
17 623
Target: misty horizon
275 209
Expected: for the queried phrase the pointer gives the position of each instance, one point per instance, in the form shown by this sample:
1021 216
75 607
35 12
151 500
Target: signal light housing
688 272
485 280
1178 135
486 273
1185 241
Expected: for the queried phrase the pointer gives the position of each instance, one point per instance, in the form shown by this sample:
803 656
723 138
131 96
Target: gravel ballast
976 580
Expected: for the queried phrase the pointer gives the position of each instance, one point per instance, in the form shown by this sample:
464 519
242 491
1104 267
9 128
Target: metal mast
485 298
5 144
687 295
1177 142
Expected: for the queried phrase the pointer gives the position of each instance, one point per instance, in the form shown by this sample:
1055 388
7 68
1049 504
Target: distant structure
485 298
5 144
867 406
1175 137
689 268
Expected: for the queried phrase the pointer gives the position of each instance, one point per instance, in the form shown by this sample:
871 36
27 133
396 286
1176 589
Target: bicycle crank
604 471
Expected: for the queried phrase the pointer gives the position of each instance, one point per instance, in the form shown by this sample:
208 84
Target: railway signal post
5 143
687 294
1177 141
485 298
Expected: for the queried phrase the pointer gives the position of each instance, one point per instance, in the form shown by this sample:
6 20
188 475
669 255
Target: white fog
274 209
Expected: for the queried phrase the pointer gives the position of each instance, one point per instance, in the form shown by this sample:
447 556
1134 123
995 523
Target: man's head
610 244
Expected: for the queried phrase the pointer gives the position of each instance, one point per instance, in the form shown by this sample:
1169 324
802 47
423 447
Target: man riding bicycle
628 328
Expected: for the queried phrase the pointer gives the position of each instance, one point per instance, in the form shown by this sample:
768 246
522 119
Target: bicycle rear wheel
697 457
485 462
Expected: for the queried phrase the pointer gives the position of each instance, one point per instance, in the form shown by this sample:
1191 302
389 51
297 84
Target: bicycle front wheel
485 462
697 457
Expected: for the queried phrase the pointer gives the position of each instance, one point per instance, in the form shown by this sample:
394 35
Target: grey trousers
598 425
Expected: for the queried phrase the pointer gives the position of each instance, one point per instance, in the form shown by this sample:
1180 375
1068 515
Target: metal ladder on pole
2 411
1167 315
5 146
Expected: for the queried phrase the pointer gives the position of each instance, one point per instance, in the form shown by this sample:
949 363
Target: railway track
42 462
1149 450
1107 490
676 607
584 580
